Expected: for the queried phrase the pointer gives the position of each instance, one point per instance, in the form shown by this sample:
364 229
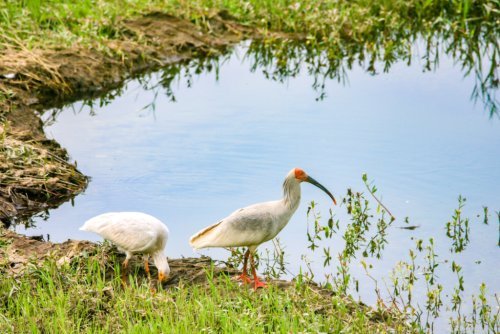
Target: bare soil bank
19 252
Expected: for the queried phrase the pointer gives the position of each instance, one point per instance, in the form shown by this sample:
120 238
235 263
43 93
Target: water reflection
282 60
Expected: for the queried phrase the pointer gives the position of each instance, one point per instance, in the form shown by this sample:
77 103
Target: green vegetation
419 286
458 229
35 24
334 35
64 22
80 298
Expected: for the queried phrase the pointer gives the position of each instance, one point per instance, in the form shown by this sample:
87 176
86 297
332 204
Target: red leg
257 283
146 267
243 275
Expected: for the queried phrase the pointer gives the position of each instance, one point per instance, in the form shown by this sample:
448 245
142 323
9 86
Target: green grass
65 22
357 31
78 298
55 24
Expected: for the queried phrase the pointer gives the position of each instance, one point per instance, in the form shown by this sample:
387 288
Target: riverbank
34 171
75 286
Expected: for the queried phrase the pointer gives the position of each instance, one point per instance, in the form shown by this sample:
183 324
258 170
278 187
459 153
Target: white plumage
134 233
257 223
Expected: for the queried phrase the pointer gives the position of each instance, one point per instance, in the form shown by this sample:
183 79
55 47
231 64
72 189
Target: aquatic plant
413 281
457 229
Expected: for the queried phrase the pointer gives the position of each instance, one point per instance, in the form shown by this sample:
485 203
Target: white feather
253 224
256 223
132 232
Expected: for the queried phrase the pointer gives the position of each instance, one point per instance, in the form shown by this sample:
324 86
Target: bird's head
163 276
161 263
301 176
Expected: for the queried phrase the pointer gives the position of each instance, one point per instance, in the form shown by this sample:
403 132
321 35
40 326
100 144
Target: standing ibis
257 223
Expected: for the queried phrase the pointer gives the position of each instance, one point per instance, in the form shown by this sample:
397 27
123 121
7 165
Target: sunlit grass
64 22
80 298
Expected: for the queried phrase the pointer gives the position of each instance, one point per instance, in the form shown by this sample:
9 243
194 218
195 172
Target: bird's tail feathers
84 227
198 240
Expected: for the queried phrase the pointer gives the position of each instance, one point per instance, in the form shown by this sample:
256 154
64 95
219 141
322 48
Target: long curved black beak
320 186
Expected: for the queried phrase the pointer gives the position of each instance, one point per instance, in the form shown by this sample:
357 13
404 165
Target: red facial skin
300 174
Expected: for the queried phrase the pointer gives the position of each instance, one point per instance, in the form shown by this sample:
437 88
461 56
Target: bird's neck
161 262
291 193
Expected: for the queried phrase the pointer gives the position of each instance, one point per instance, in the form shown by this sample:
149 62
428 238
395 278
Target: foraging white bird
257 223
134 232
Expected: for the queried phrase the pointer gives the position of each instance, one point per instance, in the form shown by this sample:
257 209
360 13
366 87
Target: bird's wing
129 232
132 237
197 240
244 227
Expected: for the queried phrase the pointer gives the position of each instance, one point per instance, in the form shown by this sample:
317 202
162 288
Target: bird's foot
259 284
244 278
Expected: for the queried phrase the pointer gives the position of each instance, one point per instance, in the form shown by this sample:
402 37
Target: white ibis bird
134 232
257 223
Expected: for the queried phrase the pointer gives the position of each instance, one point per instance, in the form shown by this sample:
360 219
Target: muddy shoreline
22 256
35 172
20 252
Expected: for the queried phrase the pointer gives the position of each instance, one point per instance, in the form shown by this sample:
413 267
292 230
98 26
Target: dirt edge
21 255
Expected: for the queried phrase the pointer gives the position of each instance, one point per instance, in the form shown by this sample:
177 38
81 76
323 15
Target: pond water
232 135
